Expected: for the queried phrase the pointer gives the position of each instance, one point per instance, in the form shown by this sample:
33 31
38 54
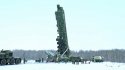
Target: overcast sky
91 24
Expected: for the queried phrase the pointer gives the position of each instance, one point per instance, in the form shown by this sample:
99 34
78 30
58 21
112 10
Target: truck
7 58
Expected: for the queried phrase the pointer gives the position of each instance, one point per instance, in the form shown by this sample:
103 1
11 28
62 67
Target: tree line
114 55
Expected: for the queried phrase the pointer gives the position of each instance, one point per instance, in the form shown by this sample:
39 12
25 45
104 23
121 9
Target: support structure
62 39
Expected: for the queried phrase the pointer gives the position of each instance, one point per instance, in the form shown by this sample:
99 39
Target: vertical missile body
62 39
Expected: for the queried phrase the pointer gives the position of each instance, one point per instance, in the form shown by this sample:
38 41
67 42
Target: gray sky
91 24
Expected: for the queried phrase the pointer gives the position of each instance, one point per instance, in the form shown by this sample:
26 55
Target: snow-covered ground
31 65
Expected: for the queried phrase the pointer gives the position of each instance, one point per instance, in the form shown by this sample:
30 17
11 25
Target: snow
32 65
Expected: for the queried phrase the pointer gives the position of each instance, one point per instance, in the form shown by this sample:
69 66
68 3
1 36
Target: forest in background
114 55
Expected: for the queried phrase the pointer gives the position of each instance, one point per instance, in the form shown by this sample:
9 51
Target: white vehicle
97 58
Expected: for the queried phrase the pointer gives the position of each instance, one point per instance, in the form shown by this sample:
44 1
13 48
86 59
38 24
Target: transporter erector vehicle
6 58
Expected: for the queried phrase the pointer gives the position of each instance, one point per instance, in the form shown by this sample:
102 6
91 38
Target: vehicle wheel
17 61
12 61
3 62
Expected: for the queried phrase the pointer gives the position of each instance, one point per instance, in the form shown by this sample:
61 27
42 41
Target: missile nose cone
58 6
